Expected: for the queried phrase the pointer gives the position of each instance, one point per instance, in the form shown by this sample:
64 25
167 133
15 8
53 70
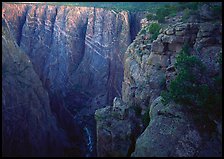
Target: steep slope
77 52
67 44
148 69
29 127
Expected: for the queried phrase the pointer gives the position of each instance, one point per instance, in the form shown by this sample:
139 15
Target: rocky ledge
148 69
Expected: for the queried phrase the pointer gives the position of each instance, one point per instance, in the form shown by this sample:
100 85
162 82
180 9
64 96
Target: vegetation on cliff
193 87
187 9
130 6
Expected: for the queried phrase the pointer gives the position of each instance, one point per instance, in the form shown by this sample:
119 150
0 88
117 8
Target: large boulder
116 130
172 132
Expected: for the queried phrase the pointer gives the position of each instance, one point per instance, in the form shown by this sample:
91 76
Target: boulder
169 39
116 130
169 31
157 47
175 47
120 110
169 133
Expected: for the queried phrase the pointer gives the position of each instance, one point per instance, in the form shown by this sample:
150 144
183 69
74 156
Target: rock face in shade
77 51
117 128
29 128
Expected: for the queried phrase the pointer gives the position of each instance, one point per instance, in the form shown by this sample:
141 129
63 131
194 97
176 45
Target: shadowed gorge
77 53
111 80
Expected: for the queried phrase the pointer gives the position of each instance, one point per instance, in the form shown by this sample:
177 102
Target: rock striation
77 53
68 45
29 127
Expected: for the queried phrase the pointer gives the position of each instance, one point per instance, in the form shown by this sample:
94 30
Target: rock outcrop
29 127
148 69
84 58
117 128
171 132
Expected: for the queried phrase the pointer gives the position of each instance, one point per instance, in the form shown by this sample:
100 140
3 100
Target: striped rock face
29 127
75 50
77 53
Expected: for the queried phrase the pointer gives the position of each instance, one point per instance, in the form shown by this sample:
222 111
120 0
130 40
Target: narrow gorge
82 81
77 53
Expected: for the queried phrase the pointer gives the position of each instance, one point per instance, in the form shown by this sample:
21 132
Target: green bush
186 14
153 29
191 86
190 5
150 17
160 14
167 10
217 11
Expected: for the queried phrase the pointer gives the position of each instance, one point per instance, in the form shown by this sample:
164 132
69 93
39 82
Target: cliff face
77 53
171 130
68 46
148 69
28 125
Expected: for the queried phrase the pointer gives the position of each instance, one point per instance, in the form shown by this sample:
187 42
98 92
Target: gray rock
29 126
169 31
75 49
169 133
115 135
180 33
175 47
205 12
169 39
157 47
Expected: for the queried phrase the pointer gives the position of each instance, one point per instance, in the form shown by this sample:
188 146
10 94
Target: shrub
217 11
150 17
186 14
167 10
192 86
160 14
143 31
154 29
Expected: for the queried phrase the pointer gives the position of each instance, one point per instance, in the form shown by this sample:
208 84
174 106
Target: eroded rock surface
29 127
117 128
75 50
171 132
148 69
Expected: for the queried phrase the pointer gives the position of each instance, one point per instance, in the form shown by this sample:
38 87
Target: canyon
87 81
77 53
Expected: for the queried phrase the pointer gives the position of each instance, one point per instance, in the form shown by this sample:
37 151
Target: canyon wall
148 69
76 51
29 127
